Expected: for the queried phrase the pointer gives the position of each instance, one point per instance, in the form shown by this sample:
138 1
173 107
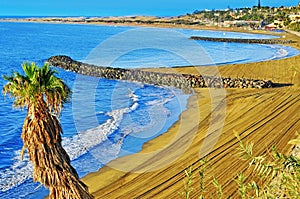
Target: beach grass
266 117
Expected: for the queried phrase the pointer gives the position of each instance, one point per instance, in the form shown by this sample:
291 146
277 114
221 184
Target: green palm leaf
37 82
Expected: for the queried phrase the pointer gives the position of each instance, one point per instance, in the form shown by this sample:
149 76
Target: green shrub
294 26
277 175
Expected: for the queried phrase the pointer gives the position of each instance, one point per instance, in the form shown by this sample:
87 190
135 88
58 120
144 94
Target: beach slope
266 117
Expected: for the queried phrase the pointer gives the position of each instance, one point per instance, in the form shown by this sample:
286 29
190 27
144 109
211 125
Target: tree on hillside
43 95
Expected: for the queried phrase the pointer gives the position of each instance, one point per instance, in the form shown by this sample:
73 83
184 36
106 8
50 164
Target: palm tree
43 95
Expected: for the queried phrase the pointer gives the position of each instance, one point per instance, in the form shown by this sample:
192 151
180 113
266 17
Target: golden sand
264 116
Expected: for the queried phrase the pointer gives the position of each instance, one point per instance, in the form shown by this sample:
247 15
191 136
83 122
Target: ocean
106 119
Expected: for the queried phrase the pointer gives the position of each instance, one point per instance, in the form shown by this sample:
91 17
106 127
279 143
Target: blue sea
106 119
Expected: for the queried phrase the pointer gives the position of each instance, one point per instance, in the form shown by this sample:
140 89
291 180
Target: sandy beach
137 21
266 117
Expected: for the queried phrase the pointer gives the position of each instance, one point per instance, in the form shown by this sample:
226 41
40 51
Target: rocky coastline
181 81
248 41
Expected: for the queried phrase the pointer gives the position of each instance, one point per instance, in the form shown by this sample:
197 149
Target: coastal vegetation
257 17
43 95
295 26
273 175
258 114
267 117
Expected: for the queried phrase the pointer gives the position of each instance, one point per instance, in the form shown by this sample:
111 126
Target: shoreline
155 174
142 180
74 20
113 181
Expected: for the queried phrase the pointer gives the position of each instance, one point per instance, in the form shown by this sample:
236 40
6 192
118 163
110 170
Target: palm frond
37 82
44 94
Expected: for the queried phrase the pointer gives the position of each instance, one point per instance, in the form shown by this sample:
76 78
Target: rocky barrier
249 41
182 81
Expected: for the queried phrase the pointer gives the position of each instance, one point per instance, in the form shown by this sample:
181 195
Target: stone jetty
238 40
182 81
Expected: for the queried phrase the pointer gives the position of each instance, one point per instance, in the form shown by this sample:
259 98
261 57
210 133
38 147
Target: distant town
257 17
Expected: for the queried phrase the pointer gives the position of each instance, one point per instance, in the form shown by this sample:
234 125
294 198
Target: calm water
107 118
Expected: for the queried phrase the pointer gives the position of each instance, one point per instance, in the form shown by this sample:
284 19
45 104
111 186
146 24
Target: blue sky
122 7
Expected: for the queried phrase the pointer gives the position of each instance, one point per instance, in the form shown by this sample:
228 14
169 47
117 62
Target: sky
124 7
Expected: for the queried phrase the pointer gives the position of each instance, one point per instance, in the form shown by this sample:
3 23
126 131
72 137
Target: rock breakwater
182 81
249 41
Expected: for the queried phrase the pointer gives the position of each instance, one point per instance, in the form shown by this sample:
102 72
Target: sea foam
75 146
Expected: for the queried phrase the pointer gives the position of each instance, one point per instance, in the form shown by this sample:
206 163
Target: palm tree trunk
42 137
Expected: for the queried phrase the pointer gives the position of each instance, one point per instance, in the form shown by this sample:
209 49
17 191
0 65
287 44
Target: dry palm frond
43 94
